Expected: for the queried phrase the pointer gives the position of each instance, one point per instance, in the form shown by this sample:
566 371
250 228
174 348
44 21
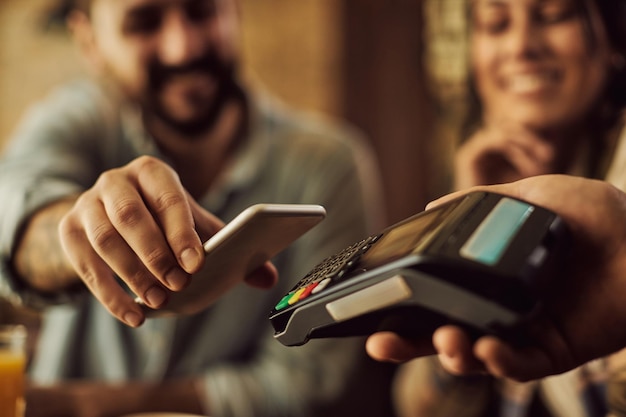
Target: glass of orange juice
12 370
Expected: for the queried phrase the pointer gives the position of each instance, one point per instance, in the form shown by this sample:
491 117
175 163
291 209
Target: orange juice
11 383
12 370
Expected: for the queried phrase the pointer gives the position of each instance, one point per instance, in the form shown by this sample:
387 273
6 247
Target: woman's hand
584 315
502 154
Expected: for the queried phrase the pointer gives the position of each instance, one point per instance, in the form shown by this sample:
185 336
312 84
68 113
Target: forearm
39 259
97 399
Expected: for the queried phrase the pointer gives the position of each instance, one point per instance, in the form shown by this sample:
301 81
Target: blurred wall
296 49
386 93
31 60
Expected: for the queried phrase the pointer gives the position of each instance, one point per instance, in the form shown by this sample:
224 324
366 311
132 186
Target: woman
548 88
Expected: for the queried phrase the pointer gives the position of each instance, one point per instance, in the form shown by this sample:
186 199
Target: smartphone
255 236
481 261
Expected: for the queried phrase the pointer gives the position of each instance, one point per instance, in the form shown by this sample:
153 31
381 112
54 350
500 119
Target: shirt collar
245 164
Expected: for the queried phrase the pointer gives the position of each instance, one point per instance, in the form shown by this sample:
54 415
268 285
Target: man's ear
83 34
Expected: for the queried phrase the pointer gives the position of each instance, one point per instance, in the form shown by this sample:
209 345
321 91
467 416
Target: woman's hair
613 16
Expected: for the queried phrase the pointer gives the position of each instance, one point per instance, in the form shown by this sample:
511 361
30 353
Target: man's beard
227 89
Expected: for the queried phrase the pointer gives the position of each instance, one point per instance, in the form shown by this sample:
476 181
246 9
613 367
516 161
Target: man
581 320
111 184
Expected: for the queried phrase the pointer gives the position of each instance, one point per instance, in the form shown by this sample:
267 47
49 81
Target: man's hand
582 318
138 222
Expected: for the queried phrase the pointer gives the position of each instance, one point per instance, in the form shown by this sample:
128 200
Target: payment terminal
481 261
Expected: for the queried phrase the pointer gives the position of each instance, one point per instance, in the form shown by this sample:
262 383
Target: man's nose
181 40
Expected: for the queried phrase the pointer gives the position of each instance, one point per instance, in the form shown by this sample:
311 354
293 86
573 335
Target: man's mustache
208 64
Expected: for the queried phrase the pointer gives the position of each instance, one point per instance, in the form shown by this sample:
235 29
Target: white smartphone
255 236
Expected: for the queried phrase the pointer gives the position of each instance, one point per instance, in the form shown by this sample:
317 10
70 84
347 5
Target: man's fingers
263 277
129 263
168 202
139 223
98 277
